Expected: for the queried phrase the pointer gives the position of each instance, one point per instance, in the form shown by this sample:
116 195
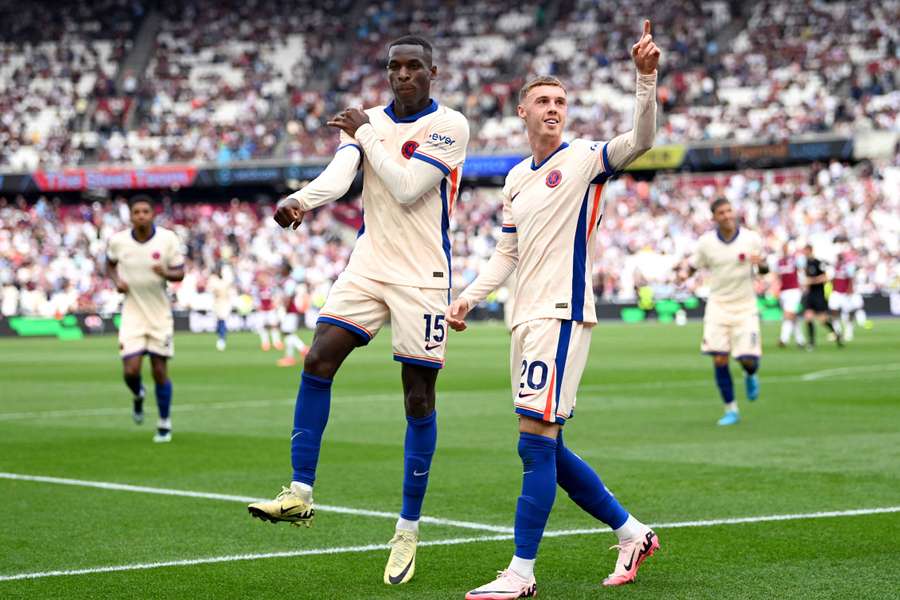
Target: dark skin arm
113 273
349 120
169 274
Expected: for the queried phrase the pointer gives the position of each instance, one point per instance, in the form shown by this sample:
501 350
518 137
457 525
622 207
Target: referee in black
814 303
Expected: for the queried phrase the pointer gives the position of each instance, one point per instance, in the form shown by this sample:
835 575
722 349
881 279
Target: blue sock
220 329
726 385
538 492
134 384
750 364
585 488
421 439
164 398
310 418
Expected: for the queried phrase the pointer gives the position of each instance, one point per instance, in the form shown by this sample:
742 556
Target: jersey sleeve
592 160
336 179
502 262
445 143
112 249
699 259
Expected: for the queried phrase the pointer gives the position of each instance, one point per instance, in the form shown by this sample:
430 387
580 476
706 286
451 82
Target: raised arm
331 184
623 149
442 151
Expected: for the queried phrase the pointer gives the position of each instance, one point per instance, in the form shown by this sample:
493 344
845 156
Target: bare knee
419 403
720 360
319 363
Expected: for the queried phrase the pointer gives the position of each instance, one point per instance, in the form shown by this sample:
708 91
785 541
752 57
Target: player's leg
350 318
131 371
419 339
163 390
537 366
263 330
787 328
809 316
221 331
746 347
717 343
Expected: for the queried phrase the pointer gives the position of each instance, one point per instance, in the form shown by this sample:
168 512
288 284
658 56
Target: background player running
790 296
815 306
411 152
140 261
731 255
551 208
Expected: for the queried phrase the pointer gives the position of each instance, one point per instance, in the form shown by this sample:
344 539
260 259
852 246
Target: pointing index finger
646 27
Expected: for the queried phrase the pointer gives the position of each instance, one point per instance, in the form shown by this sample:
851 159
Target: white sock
276 337
264 336
289 345
164 424
407 525
798 335
731 406
523 567
303 490
786 327
630 529
861 317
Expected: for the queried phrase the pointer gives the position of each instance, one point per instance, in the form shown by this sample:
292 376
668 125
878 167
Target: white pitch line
360 512
446 542
351 399
815 375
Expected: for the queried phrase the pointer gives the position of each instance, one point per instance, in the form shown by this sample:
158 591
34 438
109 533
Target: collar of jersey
737 231
152 233
535 167
389 111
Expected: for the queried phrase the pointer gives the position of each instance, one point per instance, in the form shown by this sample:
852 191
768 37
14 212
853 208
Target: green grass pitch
825 436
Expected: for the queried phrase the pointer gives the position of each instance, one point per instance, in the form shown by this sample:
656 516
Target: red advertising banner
73 180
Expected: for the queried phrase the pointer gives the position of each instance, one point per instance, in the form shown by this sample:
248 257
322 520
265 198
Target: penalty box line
445 542
360 512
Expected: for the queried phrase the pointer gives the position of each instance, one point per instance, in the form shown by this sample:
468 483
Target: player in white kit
732 255
411 153
140 262
552 205
223 296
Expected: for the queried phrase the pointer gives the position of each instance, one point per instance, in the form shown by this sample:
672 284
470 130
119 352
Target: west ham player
411 152
140 262
843 301
732 255
790 296
551 208
814 303
267 311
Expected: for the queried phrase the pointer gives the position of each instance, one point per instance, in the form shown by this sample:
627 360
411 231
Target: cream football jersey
146 307
409 244
551 211
730 270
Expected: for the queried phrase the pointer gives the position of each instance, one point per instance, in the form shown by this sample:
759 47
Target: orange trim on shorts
593 223
346 320
548 407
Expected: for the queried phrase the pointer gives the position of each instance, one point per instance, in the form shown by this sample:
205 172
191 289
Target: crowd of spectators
230 80
52 254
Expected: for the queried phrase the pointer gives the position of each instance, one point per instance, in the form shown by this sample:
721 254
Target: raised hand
288 213
456 314
645 53
349 120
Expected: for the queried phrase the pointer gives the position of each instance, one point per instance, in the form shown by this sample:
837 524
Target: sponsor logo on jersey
441 139
408 149
553 178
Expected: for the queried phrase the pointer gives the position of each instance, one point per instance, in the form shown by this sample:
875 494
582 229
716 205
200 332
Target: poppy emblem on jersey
155 256
742 257
553 178
408 149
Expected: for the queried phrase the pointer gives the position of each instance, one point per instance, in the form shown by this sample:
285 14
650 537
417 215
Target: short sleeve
699 260
112 250
444 146
593 161
175 253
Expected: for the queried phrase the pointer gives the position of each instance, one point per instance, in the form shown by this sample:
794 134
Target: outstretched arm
623 149
331 184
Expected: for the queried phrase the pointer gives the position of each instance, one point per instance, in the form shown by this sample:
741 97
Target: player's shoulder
166 234
751 235
708 237
521 169
120 237
585 145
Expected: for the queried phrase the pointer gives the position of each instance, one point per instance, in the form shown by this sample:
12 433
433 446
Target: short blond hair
538 81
